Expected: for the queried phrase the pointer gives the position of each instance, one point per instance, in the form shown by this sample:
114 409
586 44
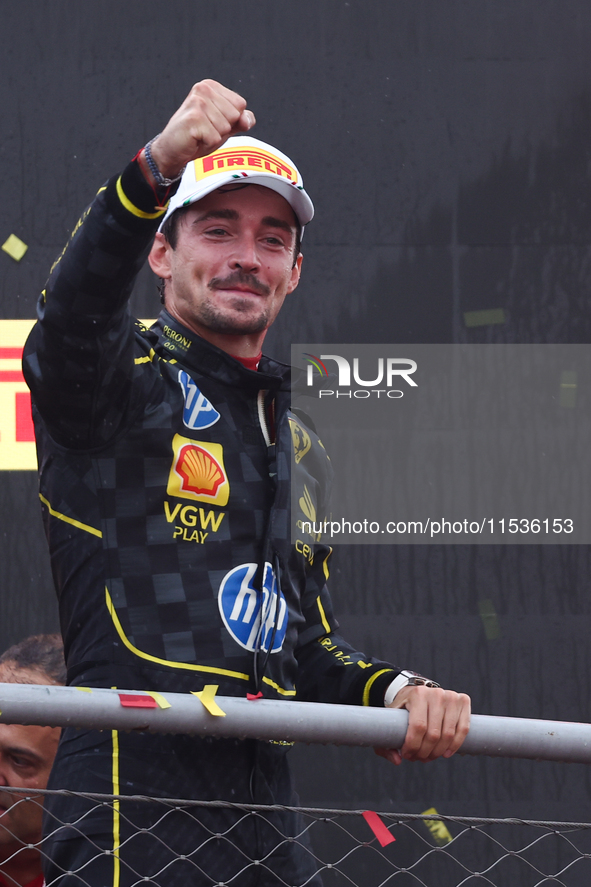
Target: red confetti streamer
252 697
384 836
129 701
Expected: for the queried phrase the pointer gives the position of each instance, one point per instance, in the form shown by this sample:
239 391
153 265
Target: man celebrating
165 467
26 756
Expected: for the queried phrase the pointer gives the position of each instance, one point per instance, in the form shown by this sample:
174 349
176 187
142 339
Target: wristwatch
407 679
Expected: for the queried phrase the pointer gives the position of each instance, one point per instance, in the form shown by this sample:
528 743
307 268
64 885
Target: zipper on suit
263 418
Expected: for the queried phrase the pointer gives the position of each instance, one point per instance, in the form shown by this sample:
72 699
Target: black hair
40 652
170 228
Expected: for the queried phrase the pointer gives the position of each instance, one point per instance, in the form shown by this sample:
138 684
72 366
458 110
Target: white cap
242 158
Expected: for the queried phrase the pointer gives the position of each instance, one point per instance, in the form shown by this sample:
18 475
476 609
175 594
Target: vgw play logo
255 619
390 370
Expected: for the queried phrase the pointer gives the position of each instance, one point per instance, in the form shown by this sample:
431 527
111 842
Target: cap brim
295 195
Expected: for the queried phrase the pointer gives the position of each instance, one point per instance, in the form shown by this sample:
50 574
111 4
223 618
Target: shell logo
198 471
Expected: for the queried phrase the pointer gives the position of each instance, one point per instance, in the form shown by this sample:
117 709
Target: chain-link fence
335 847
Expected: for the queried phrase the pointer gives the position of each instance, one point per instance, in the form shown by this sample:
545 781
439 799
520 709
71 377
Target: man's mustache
240 278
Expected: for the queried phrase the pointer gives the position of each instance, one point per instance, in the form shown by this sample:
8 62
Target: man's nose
245 256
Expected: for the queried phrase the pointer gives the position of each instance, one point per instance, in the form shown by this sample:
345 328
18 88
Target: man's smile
240 282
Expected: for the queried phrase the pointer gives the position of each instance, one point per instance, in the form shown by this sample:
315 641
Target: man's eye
21 763
217 232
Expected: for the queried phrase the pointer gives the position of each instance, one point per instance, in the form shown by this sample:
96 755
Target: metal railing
205 714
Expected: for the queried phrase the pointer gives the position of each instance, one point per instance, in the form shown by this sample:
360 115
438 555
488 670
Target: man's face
26 757
233 263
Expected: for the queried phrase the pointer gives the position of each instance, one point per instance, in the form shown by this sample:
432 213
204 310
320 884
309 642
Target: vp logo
198 412
250 616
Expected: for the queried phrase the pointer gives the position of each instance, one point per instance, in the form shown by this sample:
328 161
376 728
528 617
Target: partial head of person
26 758
228 249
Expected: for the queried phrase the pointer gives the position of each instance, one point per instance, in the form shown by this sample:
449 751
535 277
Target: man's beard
212 318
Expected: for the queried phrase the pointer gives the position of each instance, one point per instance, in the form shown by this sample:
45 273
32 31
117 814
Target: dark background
447 148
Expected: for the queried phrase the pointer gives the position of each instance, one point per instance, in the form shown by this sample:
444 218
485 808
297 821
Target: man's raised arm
210 114
79 359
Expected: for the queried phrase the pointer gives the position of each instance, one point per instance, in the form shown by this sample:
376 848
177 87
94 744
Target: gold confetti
484 318
158 699
568 389
489 619
439 831
15 247
207 697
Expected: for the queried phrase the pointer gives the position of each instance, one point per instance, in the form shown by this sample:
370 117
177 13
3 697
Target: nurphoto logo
389 370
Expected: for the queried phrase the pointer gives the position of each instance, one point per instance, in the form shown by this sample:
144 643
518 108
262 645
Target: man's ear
159 257
295 274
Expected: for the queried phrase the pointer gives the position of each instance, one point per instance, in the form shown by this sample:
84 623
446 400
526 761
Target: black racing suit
167 511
